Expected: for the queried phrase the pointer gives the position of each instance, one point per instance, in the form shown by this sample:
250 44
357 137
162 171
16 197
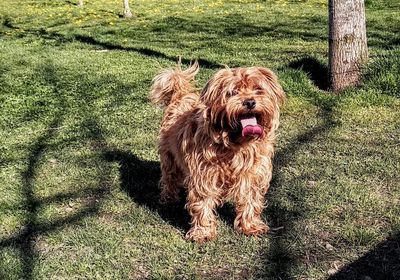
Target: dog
217 144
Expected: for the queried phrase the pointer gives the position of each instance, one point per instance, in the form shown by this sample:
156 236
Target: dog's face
242 104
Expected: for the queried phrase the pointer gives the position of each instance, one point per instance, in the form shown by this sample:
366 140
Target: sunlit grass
78 159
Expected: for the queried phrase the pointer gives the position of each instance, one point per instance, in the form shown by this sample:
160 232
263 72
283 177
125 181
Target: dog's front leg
203 219
249 204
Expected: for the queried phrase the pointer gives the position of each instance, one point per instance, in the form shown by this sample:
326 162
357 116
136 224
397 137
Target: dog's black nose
249 103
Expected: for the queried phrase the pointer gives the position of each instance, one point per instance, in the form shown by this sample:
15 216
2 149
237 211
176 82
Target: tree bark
127 11
347 43
80 3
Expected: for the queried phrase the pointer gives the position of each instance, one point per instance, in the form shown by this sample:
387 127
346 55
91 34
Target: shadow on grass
316 70
237 25
144 51
43 33
25 240
381 263
112 46
139 179
73 3
281 256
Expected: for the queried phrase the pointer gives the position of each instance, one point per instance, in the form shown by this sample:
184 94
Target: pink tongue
250 127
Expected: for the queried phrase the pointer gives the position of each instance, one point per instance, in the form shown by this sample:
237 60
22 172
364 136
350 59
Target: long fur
201 148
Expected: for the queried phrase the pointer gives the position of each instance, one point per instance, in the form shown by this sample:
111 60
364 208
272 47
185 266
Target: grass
78 159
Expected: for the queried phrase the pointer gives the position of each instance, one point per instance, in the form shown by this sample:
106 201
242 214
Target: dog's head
242 104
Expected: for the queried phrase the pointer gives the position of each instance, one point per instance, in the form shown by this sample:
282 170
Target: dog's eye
258 90
233 92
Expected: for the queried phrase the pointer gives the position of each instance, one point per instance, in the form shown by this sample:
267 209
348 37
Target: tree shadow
280 257
90 40
73 3
7 22
381 263
234 25
316 70
25 240
144 51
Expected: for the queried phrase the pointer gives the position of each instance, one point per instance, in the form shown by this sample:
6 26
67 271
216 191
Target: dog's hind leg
171 178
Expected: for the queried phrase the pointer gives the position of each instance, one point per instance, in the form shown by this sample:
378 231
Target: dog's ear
214 126
213 97
272 81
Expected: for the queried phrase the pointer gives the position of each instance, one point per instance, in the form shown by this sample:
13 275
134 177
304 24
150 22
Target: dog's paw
201 234
255 229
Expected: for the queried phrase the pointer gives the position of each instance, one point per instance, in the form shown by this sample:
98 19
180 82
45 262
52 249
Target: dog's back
174 91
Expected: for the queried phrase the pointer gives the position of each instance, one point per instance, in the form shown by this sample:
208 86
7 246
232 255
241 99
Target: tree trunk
127 11
347 43
80 3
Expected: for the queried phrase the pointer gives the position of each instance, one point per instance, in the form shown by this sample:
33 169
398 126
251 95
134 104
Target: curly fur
201 148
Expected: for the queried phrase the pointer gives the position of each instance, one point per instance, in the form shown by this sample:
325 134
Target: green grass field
78 159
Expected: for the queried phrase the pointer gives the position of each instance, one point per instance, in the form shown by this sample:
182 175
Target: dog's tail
172 84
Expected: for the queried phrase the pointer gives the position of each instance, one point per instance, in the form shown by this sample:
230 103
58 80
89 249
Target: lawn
78 158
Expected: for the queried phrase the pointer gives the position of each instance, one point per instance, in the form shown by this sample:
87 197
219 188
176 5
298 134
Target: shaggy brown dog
219 144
